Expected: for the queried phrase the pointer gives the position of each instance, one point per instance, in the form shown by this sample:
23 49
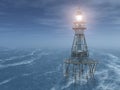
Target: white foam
35 51
104 75
16 64
22 56
53 88
71 81
6 81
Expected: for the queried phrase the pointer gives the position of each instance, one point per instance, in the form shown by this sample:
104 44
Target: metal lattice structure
79 65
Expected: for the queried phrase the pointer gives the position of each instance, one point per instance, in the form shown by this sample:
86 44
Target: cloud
106 11
53 23
103 9
20 19
28 3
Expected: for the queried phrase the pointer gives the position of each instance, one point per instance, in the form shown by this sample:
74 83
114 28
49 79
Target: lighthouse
79 65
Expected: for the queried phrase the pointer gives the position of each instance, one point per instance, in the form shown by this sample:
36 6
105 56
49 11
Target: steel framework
79 66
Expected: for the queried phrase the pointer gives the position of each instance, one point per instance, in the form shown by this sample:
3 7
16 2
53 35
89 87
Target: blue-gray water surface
42 69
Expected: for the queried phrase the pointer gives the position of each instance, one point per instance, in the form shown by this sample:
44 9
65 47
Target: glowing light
79 17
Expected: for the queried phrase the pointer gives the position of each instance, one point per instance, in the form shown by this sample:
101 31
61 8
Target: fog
63 39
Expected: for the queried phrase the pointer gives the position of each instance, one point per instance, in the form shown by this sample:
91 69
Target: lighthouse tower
79 47
79 66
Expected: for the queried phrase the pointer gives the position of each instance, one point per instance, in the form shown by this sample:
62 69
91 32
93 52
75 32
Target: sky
48 23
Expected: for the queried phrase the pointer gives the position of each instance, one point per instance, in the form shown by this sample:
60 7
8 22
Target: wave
27 74
23 62
12 58
30 54
6 81
16 64
113 56
70 82
109 76
33 52
22 56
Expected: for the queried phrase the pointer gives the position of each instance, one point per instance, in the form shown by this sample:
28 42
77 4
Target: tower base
80 68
